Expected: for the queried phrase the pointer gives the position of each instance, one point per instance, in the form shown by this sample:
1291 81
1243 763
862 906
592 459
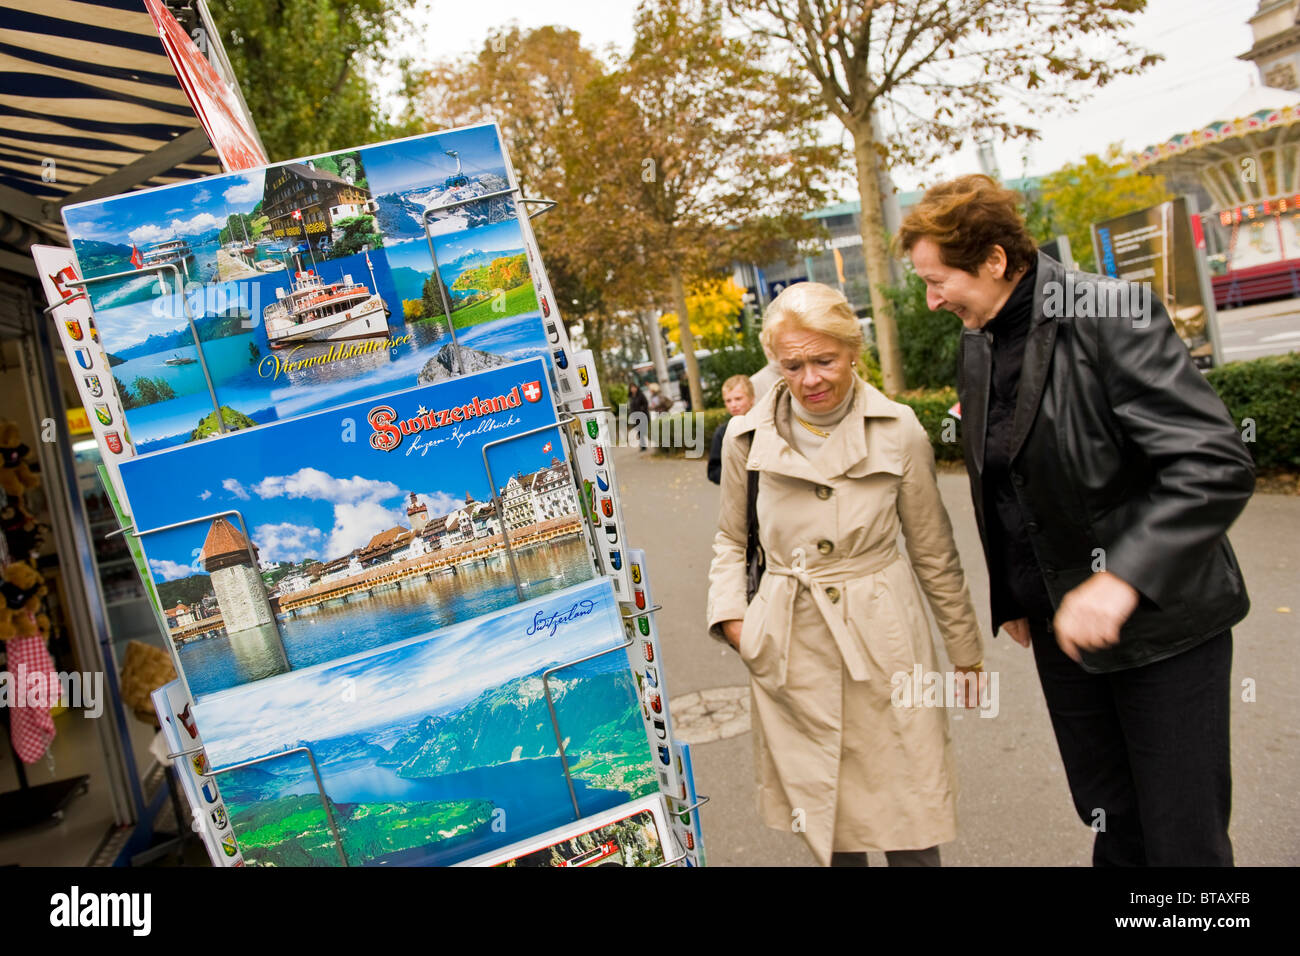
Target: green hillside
520 299
293 831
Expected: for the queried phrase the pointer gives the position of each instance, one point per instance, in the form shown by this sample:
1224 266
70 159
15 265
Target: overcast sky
1199 78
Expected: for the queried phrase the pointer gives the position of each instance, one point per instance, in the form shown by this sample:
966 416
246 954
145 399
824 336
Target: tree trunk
654 342
594 330
876 255
688 340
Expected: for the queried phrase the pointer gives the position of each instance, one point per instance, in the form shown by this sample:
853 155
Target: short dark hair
966 217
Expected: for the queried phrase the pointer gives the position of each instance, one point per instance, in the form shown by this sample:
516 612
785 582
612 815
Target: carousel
1250 167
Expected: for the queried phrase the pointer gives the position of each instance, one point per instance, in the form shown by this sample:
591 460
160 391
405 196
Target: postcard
646 658
594 460
686 825
264 294
630 835
209 816
440 748
87 362
277 548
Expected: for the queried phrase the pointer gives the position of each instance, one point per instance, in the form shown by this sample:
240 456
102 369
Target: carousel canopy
1254 156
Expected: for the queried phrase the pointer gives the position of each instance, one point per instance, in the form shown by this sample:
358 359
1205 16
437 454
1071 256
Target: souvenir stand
369 487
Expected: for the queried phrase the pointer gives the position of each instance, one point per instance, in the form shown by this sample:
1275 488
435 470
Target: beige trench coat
837 615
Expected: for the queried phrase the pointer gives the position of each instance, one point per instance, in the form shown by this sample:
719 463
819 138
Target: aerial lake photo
440 748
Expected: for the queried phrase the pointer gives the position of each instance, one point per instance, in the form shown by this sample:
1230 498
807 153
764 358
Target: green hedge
743 359
616 394
929 341
672 427
931 409
1265 391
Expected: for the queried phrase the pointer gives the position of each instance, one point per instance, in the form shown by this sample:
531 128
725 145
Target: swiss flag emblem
533 391
137 258
546 448
297 214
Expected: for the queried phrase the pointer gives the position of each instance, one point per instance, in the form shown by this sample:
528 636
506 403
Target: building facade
301 201
1276 48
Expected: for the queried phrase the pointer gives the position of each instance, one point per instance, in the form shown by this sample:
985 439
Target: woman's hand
966 690
731 631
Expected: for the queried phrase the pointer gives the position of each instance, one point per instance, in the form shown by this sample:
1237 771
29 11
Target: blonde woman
838 616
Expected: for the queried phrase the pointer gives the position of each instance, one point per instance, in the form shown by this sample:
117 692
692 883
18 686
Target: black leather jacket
1124 459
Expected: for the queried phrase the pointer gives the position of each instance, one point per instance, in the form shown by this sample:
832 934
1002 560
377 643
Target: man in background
738 396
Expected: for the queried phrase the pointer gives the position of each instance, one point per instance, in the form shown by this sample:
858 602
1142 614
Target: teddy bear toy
29 625
22 534
16 476
23 589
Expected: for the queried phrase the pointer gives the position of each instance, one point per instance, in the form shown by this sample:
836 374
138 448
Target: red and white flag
546 449
297 214
137 259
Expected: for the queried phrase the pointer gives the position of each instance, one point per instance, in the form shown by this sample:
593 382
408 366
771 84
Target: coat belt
796 576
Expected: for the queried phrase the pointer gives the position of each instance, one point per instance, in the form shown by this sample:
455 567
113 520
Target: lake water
326 633
133 289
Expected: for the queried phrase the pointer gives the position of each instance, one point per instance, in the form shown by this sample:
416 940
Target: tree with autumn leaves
1096 188
691 152
701 145
714 307
913 80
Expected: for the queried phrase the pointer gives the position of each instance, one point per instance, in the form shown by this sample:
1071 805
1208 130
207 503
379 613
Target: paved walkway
1014 804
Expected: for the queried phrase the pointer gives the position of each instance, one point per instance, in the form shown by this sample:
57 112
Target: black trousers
1146 752
927 857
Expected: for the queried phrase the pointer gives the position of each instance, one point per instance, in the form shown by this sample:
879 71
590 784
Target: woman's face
818 368
975 299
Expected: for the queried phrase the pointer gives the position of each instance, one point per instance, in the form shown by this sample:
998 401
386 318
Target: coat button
1049 573
1018 479
823 492
1031 527
833 594
825 546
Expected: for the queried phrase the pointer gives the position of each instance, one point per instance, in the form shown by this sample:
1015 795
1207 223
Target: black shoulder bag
755 560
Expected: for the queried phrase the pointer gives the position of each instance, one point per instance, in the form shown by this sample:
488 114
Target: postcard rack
214 772
584 433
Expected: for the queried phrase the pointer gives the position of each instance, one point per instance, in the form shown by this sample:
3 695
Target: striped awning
89 106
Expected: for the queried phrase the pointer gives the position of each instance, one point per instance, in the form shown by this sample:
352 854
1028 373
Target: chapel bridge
392 574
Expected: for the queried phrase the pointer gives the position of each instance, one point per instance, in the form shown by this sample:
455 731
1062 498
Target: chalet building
304 202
